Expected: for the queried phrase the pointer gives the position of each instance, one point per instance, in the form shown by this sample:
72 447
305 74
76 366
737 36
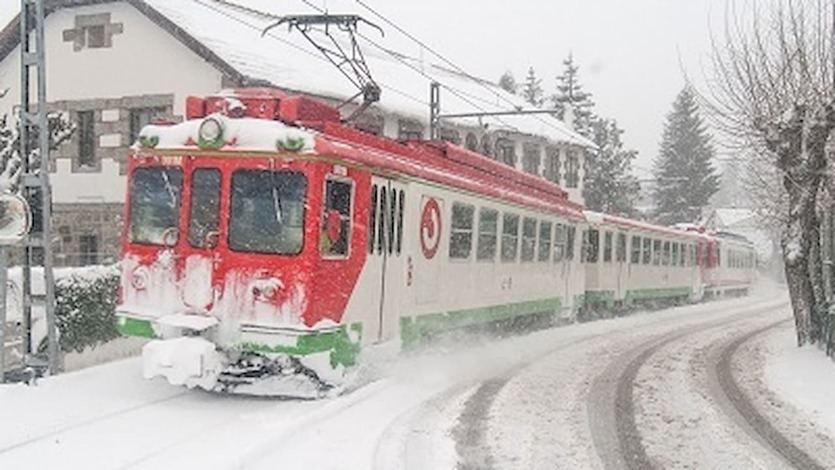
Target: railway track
612 402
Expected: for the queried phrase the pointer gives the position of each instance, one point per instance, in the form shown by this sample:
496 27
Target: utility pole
35 182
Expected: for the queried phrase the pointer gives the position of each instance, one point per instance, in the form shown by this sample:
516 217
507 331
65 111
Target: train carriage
731 265
267 243
629 262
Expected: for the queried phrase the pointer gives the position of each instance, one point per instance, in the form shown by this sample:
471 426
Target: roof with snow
230 38
731 217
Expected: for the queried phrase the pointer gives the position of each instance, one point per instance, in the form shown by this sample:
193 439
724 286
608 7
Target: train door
394 269
385 261
621 266
199 255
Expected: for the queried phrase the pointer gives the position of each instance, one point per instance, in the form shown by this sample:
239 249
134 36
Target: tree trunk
815 265
801 152
797 278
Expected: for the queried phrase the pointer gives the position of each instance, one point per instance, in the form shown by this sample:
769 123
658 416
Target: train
267 244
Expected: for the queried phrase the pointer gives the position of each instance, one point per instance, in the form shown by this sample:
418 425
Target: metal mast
34 124
435 115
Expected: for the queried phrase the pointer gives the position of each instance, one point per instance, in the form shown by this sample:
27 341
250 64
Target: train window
204 217
400 208
392 219
155 205
666 257
510 237
569 246
607 247
674 259
381 221
461 234
635 258
335 235
656 252
488 233
528 239
372 219
560 239
544 254
620 251
647 252
267 213
592 248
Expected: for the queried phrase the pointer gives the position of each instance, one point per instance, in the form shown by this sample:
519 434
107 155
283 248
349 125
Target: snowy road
653 389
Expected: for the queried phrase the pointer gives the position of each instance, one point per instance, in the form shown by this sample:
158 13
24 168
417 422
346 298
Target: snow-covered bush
85 307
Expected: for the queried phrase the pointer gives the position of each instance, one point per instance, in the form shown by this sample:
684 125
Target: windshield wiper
276 201
169 188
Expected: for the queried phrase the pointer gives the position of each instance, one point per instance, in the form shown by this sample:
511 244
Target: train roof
631 224
730 236
272 122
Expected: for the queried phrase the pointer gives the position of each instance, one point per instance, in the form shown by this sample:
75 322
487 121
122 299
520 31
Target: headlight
139 278
211 133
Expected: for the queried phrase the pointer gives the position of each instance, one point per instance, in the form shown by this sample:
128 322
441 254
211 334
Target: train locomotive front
238 253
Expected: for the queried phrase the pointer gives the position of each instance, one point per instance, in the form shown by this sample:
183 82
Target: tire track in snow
471 430
747 414
611 399
470 433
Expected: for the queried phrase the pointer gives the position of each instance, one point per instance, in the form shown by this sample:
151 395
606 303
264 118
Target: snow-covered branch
61 130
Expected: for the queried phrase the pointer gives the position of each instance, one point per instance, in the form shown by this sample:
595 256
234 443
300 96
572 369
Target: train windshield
267 211
155 205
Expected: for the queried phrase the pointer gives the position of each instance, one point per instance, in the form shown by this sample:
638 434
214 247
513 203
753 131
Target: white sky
631 52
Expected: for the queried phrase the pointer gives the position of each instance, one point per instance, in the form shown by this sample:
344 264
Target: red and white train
266 244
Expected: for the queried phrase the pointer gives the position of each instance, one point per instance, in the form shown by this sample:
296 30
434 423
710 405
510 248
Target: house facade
113 66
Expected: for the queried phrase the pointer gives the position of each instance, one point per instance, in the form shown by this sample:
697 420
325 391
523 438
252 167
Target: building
113 66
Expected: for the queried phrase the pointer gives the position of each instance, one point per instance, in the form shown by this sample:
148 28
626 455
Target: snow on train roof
286 60
246 134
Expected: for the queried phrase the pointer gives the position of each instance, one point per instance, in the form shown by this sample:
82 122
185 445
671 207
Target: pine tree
532 89
570 94
609 185
508 82
686 178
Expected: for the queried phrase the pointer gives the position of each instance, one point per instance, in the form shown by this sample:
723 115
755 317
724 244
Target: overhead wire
400 58
252 11
466 97
450 63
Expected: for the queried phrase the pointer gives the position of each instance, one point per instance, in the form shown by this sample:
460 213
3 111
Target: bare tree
772 94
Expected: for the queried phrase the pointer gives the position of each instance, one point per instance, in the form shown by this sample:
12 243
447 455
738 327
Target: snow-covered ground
521 402
802 377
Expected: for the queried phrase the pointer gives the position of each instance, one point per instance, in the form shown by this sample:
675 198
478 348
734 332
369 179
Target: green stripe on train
600 297
660 293
135 327
414 329
343 351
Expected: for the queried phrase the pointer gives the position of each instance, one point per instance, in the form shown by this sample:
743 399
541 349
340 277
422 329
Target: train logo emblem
430 227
